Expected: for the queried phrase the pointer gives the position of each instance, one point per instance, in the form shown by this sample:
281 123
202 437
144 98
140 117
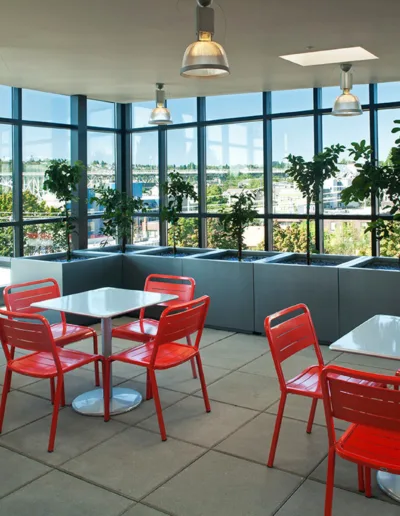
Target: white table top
377 337
104 302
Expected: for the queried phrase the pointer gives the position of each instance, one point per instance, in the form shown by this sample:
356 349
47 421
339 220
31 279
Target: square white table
104 304
377 337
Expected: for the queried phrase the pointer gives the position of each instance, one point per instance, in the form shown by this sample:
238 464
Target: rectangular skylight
337 55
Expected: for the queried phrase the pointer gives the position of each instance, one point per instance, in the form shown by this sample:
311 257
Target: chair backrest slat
19 297
181 286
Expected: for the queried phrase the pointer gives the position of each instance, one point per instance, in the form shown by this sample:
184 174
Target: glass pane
46 107
6 185
187 233
182 158
146 231
289 136
145 168
291 235
183 111
100 114
43 239
389 92
141 112
386 139
291 100
391 245
6 248
233 106
329 95
95 236
216 237
346 237
39 146
5 102
234 160
101 163
254 236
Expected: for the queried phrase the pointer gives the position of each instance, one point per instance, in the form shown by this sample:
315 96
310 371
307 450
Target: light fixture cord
225 21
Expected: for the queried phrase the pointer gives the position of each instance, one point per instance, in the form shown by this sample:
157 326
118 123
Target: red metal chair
33 333
285 340
144 329
373 440
19 297
163 351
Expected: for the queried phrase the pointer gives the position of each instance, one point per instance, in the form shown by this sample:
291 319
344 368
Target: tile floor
212 464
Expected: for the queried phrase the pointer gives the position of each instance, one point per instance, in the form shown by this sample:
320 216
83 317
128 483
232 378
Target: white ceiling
118 49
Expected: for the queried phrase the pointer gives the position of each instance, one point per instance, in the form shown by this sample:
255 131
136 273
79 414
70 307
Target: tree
347 239
310 176
187 233
292 238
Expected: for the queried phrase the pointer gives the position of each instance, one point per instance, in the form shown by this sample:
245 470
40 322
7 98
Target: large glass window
145 168
290 236
347 237
187 233
183 111
101 163
389 92
329 95
141 112
146 231
44 239
95 235
5 101
234 106
6 177
46 107
291 100
100 114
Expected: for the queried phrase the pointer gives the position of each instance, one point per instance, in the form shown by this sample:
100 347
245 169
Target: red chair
33 333
373 440
163 351
19 297
144 329
285 340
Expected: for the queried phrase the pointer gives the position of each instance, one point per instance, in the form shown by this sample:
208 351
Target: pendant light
160 114
205 58
346 104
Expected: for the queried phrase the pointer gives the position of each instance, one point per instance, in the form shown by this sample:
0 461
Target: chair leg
157 403
106 389
56 409
6 390
12 354
149 393
192 362
52 390
361 484
330 482
203 383
277 429
96 364
368 490
312 415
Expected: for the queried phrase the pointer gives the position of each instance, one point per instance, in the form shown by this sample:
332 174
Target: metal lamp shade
347 105
205 59
160 116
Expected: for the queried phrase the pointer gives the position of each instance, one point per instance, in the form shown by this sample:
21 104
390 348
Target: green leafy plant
241 216
309 177
119 210
62 179
176 189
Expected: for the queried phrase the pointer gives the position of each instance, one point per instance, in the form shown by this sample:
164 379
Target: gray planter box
278 285
365 292
230 286
114 249
72 277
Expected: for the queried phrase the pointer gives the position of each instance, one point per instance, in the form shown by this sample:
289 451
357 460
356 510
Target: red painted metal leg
277 429
6 390
361 484
203 383
157 403
312 415
368 490
149 393
192 362
12 353
52 390
106 389
330 482
56 409
96 364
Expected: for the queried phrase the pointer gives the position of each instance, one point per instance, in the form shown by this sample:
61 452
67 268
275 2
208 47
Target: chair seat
138 331
380 449
42 364
168 355
65 334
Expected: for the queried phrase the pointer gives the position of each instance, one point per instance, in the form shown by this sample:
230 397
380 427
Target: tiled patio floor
212 464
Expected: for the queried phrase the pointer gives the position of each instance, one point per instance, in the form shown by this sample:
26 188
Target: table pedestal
121 400
390 484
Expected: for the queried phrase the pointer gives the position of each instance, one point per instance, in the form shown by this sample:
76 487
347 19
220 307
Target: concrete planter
116 249
365 292
73 277
278 285
230 286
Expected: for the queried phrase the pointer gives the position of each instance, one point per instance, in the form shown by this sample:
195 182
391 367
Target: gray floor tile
142 510
17 470
291 367
210 336
75 434
220 485
327 354
121 370
297 451
134 462
119 321
22 408
309 500
181 378
245 390
17 380
367 368
363 360
189 421
59 494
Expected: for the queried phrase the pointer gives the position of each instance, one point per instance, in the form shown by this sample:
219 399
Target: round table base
390 484
91 403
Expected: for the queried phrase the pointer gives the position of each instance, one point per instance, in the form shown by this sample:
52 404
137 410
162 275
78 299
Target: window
183 111
347 237
5 101
291 100
290 236
46 107
234 106
289 136
39 146
44 239
386 139
6 249
95 236
234 161
145 168
389 92
100 114
187 233
141 112
101 163
329 95
218 239
146 231
6 195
